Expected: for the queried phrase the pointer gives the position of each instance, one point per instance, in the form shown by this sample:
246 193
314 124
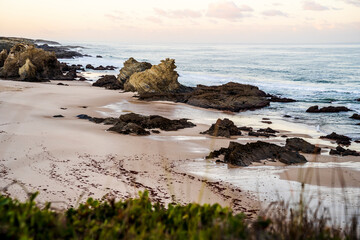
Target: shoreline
70 156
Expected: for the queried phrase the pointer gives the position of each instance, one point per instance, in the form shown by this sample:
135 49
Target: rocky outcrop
355 116
223 128
274 98
300 145
159 78
132 66
129 128
343 152
330 109
3 56
64 52
340 139
27 58
109 82
245 155
261 134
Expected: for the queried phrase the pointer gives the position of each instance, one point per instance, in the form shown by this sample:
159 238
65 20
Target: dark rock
355 116
129 128
61 51
109 82
98 56
155 131
357 141
89 66
343 152
63 108
267 130
62 84
284 136
70 75
97 120
132 66
340 139
267 122
81 78
358 99
3 56
261 134
58 116
287 116
223 128
83 116
101 68
248 129
274 98
244 155
65 67
330 109
298 144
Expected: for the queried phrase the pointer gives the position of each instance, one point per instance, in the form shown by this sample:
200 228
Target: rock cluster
244 155
161 78
109 82
343 152
137 124
132 66
330 109
223 128
300 145
100 68
27 63
340 139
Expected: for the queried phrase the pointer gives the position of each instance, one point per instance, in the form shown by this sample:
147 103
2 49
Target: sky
184 21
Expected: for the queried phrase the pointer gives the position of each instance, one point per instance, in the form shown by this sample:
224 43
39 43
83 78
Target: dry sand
68 159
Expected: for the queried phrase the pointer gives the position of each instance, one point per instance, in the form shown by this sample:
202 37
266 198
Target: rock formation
340 139
28 58
223 128
132 66
343 152
109 82
355 116
3 56
159 78
298 144
244 155
330 109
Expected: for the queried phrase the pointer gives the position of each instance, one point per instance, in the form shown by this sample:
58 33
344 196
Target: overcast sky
191 21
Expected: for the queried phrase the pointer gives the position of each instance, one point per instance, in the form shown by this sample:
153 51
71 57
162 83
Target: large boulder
299 144
244 155
3 56
158 79
223 128
109 82
132 66
45 63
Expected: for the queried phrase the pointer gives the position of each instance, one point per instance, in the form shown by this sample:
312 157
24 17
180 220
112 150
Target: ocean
324 75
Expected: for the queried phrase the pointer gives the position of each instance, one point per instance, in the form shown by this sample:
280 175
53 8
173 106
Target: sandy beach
68 159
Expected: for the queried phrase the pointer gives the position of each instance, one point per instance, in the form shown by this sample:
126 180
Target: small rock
355 116
109 82
261 134
58 116
62 84
223 128
267 122
287 116
343 152
330 109
267 130
248 129
340 139
155 131
98 56
89 66
83 116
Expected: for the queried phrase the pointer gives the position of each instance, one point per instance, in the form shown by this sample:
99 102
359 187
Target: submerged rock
330 109
244 155
109 82
158 79
132 66
343 152
355 116
340 139
223 128
298 144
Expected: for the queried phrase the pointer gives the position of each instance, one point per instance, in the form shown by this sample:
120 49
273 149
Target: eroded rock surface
132 66
244 155
223 128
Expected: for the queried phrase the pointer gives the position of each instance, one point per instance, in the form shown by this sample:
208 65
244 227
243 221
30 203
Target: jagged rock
343 152
28 71
355 116
261 134
3 56
330 109
46 64
340 139
109 82
132 66
267 130
298 144
244 155
159 78
129 128
223 128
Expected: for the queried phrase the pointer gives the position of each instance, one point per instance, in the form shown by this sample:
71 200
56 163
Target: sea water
324 75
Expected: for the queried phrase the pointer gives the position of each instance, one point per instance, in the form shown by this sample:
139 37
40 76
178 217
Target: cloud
116 16
271 13
353 2
185 13
227 10
313 6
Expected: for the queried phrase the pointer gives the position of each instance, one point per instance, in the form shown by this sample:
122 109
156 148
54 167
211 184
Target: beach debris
330 109
223 128
355 116
109 82
132 66
343 152
58 116
299 144
340 139
244 155
158 79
